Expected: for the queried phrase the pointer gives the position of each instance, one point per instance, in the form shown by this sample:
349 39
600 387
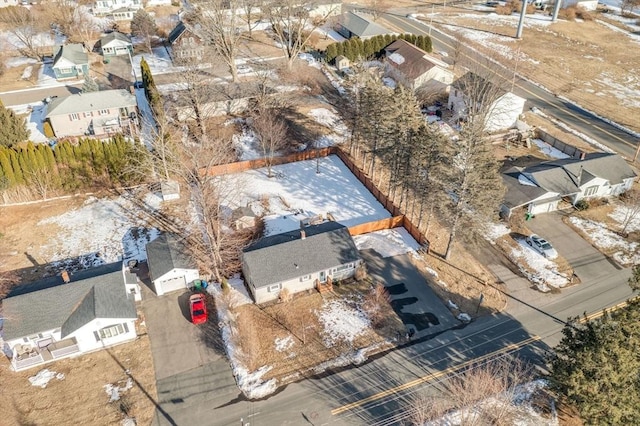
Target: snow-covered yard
298 192
388 242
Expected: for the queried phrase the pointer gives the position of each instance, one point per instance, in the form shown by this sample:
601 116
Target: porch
26 356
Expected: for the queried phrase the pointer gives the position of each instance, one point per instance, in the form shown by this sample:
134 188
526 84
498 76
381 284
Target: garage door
121 50
173 284
543 207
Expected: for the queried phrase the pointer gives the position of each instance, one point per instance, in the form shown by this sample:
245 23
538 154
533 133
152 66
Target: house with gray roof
540 187
103 113
114 44
413 67
68 315
299 260
356 24
70 61
171 268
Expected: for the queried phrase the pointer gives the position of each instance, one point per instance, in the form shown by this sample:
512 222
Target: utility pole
521 21
635 157
556 9
133 69
515 69
431 18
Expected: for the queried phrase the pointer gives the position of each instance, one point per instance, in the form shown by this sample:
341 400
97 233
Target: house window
274 287
103 112
344 267
74 117
192 40
112 331
65 70
305 278
88 114
591 190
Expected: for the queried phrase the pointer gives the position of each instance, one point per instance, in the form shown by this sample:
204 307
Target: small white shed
170 266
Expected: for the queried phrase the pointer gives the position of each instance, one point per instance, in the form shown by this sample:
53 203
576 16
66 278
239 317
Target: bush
505 10
585 15
582 205
568 13
516 6
48 131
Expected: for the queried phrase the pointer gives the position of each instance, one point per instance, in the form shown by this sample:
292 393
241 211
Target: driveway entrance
416 304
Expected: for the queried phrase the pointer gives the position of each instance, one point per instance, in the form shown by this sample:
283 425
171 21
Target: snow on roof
523 180
397 58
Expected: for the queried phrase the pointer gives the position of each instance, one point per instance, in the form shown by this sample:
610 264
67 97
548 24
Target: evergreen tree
15 165
596 367
331 53
13 129
428 47
6 171
634 279
90 85
387 40
367 49
348 51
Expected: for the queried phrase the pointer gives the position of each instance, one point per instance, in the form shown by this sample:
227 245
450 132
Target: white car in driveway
542 246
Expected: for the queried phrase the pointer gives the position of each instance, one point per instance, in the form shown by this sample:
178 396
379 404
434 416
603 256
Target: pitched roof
50 303
91 101
286 256
165 254
564 176
73 53
114 36
362 25
410 60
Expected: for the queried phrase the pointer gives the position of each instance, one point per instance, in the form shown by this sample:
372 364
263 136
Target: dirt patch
81 395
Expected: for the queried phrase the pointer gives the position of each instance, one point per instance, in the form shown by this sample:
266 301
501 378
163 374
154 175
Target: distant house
105 7
540 187
58 317
360 25
243 218
7 3
325 8
95 113
70 61
413 67
503 107
589 5
185 43
114 44
299 260
123 13
171 268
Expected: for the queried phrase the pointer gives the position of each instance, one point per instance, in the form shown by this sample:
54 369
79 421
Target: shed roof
91 101
73 53
50 303
166 253
287 256
114 36
362 25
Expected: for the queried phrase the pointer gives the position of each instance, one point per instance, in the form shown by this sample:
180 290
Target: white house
105 7
589 5
413 67
114 44
503 107
170 266
299 260
68 315
540 187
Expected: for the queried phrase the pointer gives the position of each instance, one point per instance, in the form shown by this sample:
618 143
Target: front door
323 277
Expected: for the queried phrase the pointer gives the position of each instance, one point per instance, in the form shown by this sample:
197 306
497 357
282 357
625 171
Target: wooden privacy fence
397 218
564 147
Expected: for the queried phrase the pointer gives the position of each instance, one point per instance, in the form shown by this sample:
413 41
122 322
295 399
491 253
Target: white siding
87 340
176 279
504 112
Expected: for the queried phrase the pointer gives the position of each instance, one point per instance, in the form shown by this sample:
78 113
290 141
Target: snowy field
388 242
101 231
299 192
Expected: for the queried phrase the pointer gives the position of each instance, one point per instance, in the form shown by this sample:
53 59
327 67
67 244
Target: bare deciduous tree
271 132
377 7
631 203
627 6
293 25
218 25
252 14
144 26
26 28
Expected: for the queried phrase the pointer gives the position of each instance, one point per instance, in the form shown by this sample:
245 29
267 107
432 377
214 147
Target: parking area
416 304
585 259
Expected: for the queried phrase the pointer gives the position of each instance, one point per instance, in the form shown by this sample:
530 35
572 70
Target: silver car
542 246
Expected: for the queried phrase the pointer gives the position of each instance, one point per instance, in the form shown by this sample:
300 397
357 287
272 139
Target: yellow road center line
600 313
430 377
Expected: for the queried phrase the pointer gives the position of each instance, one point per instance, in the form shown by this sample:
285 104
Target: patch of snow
37 112
114 391
621 213
334 190
101 231
349 358
397 58
19 61
540 270
148 134
27 72
464 317
328 32
496 230
333 121
523 180
311 61
247 145
452 305
334 81
387 242
43 377
389 82
548 150
626 252
342 321
284 343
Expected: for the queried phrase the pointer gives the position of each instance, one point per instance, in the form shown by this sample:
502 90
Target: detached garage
170 267
115 44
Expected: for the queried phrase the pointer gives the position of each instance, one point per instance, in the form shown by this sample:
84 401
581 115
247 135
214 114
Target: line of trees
355 48
69 166
13 129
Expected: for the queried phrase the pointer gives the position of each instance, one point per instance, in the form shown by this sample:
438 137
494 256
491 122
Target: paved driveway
588 262
189 360
415 303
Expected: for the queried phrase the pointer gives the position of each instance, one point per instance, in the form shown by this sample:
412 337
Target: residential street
36 94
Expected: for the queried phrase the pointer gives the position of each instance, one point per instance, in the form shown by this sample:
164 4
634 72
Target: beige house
185 43
101 113
413 67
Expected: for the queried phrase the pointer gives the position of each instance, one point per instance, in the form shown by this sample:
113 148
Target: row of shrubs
568 13
355 48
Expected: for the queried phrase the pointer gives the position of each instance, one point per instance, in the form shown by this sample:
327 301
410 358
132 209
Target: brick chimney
303 234
65 276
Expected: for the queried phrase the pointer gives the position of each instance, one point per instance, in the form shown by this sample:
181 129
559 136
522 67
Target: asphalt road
27 96
563 110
